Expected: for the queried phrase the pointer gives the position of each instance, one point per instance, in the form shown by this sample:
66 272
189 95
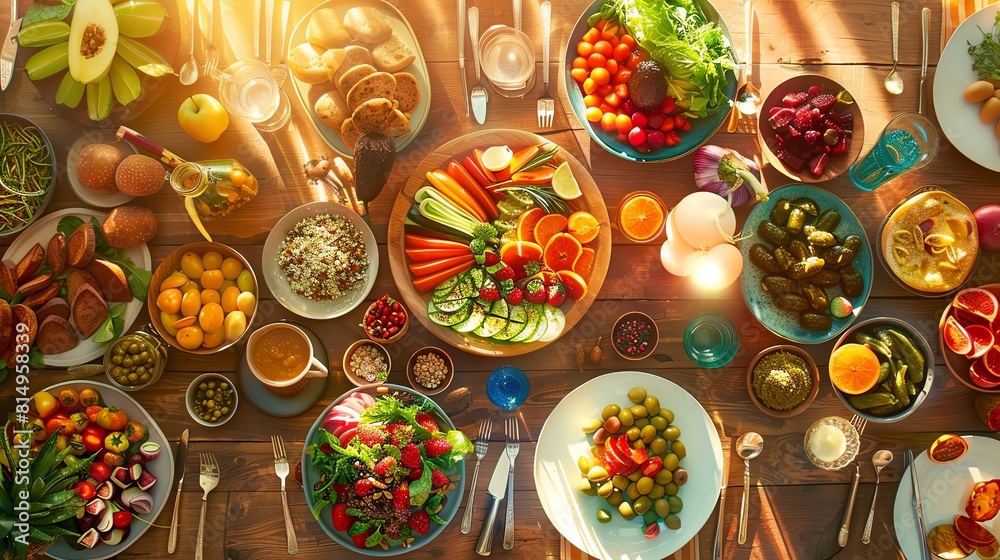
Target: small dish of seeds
635 335
430 370
211 399
366 362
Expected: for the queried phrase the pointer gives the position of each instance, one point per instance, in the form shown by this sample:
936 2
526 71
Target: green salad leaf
986 55
694 51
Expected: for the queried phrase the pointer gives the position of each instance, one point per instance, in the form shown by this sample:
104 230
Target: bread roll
371 115
407 91
332 109
306 63
354 55
392 55
353 76
375 86
396 125
367 25
349 134
129 226
326 30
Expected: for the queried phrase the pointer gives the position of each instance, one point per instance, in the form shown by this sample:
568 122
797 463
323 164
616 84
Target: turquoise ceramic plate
701 129
786 323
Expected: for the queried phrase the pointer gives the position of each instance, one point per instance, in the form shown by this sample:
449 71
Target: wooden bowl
448 376
173 263
837 164
813 373
349 371
416 301
393 338
959 365
639 316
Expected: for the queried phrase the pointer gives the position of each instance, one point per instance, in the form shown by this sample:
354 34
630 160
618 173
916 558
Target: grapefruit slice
517 254
956 338
978 301
561 252
585 264
583 226
982 377
982 340
972 532
576 286
548 226
991 359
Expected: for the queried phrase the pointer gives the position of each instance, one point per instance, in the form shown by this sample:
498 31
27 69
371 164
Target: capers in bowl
135 360
211 399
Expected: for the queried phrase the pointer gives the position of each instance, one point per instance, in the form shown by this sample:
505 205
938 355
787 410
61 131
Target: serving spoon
189 72
893 81
748 99
748 447
880 460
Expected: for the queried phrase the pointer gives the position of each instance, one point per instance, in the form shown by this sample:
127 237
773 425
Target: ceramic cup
287 387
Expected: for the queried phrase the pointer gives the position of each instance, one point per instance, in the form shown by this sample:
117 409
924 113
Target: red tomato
601 24
623 123
584 48
591 100
612 99
93 438
628 40
85 490
611 67
580 62
600 75
607 108
60 420
622 76
589 86
633 60
668 125
592 35
621 51
608 122
604 48
622 90
671 138
611 38
579 74
596 60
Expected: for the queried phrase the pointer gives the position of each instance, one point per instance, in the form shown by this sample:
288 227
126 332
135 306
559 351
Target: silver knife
182 453
497 491
917 504
845 524
925 16
727 446
461 53
9 52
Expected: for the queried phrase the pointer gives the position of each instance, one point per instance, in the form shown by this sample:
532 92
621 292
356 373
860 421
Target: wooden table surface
795 508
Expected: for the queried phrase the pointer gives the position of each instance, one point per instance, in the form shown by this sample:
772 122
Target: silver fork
513 446
859 424
281 469
208 479
546 105
482 445
211 53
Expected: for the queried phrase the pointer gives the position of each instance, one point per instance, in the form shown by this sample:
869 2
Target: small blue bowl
786 323
701 129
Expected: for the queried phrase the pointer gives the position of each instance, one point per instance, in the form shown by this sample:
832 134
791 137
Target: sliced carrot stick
430 267
456 193
460 174
431 281
414 241
424 255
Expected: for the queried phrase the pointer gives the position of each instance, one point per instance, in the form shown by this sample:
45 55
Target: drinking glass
507 387
711 341
508 59
248 90
908 142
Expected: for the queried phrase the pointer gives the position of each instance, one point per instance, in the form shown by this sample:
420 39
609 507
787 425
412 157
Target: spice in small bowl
782 380
386 320
366 362
635 335
430 370
211 399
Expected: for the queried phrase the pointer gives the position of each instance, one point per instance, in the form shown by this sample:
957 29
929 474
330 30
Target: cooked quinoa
324 257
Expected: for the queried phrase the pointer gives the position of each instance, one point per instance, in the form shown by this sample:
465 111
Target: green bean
25 173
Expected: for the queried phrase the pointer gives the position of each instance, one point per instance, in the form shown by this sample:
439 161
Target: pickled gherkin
806 268
828 220
872 400
778 285
791 302
815 321
784 259
761 257
780 211
851 281
807 205
796 220
816 297
825 277
775 235
818 237
798 249
838 256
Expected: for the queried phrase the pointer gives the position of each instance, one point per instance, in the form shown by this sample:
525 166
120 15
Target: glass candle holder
831 443
711 341
507 387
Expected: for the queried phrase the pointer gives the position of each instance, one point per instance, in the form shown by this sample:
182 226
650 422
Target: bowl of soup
280 355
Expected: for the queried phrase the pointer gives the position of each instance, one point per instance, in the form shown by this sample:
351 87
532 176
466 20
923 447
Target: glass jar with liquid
218 187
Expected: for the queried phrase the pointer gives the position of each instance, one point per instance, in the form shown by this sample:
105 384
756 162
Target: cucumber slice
516 322
500 309
442 289
478 276
533 312
477 314
449 319
491 326
462 289
556 323
543 325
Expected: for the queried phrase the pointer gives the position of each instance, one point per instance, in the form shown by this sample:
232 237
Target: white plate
959 119
93 198
275 278
944 490
561 442
41 232
418 68
162 468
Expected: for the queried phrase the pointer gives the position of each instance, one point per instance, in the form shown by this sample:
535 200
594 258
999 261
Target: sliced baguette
111 279
373 86
89 310
396 125
332 109
392 55
306 63
349 134
407 91
372 115
56 335
353 76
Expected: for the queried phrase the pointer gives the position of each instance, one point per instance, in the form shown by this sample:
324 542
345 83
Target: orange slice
548 226
561 252
583 226
640 218
854 368
526 223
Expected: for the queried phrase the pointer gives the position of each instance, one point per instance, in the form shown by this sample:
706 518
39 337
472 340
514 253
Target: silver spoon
479 96
189 72
893 81
748 446
879 460
748 99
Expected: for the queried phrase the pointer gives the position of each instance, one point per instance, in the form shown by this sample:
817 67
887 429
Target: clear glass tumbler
508 60
910 141
711 340
248 90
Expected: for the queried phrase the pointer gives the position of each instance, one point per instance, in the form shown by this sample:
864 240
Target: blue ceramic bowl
701 129
310 477
786 323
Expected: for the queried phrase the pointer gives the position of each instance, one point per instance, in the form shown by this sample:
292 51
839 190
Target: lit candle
828 443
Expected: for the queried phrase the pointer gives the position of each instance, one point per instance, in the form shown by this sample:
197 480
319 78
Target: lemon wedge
564 183
497 158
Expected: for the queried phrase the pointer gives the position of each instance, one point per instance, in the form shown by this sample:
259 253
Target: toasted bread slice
30 263
353 76
407 91
55 306
306 63
349 134
392 55
81 246
371 115
76 278
367 25
89 310
57 254
56 335
111 279
354 55
374 86
397 124
327 30
331 109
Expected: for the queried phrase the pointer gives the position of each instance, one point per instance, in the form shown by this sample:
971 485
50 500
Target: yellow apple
203 117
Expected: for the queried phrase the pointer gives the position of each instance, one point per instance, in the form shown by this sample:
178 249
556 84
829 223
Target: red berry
668 105
401 497
341 521
384 465
410 456
628 107
360 538
655 120
639 119
415 475
427 422
655 138
436 447
439 479
636 136
363 487
420 522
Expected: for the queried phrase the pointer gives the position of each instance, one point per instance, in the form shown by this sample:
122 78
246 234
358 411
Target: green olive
610 410
648 434
671 489
625 509
586 487
664 477
603 516
597 473
667 414
662 507
673 522
657 492
117 360
645 485
658 422
634 477
590 426
658 446
585 463
133 348
678 448
639 411
642 505
605 490
632 491
650 517
670 461
642 422
637 394
626 418
675 504
620 482
633 433
671 433
615 499
652 405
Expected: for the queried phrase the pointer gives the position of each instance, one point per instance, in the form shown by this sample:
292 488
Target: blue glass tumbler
711 341
507 387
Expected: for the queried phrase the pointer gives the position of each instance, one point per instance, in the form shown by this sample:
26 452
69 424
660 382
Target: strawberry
532 268
535 291
384 465
360 538
515 297
815 90
823 102
490 258
415 475
795 99
439 479
489 294
363 487
818 164
790 160
370 435
399 434
341 521
340 489
556 294
401 496
420 522
436 447
781 118
841 146
504 273
426 422
411 458
803 117
811 136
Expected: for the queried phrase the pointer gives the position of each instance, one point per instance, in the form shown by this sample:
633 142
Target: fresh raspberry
823 102
427 422
812 136
360 538
411 458
415 475
489 294
420 522
436 447
401 497
341 521
370 434
515 297
363 487
383 467
815 90
439 479
795 99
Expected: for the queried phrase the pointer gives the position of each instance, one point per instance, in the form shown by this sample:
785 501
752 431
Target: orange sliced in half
583 226
548 226
854 368
640 218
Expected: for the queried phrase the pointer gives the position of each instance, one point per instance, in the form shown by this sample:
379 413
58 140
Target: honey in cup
281 357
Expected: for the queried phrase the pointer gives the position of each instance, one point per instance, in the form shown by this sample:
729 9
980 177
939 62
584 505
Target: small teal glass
711 340
507 387
910 141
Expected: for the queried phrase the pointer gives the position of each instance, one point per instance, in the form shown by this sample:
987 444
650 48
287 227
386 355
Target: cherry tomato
579 74
592 35
112 418
611 66
623 123
612 99
589 86
622 90
601 24
604 48
671 138
628 40
600 75
655 139
85 490
637 136
621 51
611 38
584 48
622 137
591 100
596 60
580 62
668 125
668 105
607 108
639 119
63 421
608 122
593 114
633 60
622 76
